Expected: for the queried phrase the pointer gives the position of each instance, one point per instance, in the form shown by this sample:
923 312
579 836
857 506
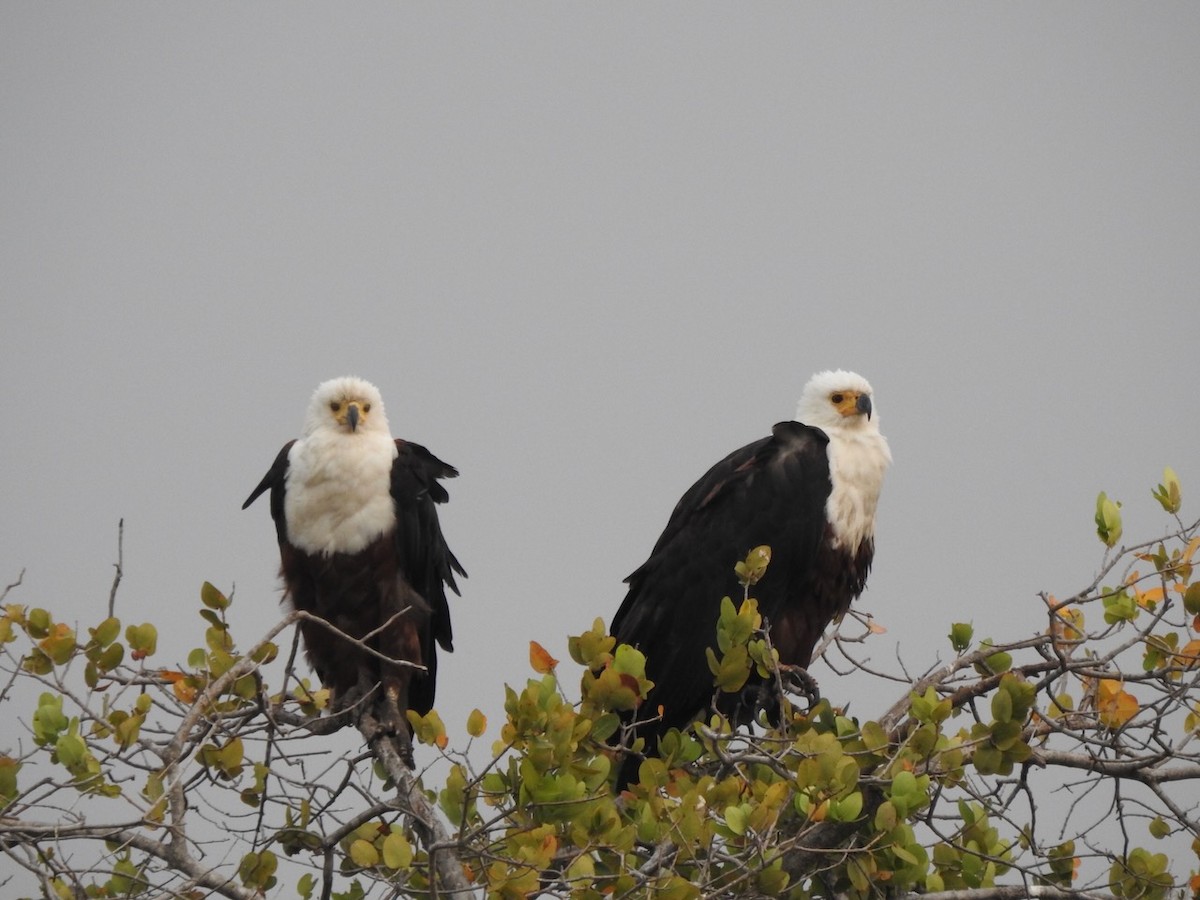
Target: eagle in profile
361 549
808 491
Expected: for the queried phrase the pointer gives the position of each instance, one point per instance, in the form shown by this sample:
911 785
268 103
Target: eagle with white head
362 550
809 491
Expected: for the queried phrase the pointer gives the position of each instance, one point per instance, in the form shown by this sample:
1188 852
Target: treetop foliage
1064 762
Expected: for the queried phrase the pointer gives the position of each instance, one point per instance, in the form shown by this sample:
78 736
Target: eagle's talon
797 680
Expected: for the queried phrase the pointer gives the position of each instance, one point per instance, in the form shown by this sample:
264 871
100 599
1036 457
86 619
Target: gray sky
585 251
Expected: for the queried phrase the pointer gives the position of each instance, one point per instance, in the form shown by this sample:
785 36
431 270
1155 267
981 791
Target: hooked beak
352 416
864 405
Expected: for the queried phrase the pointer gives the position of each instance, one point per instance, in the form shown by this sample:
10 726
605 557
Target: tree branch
446 867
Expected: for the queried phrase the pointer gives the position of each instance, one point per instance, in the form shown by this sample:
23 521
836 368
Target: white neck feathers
858 459
338 497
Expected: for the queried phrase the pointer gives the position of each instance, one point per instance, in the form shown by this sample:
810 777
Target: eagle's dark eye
836 398
366 407
335 406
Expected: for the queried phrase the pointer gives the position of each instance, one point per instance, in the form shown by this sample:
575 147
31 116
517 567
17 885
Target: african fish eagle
362 549
808 491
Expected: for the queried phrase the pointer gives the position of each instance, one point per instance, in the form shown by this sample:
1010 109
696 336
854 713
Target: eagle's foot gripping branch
797 680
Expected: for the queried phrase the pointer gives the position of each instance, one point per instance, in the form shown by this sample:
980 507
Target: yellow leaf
541 661
1067 625
364 854
476 723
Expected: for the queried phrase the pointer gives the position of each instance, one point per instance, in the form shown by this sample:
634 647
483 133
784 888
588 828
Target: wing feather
772 491
424 557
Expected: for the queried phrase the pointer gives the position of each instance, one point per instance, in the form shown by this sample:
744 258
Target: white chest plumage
857 462
338 497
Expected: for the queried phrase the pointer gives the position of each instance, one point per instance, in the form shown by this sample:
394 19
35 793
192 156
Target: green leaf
397 851
428 729
772 881
142 640
886 817
111 657
48 719
1191 599
476 723
1002 710
1108 520
1169 494
106 632
593 648
38 623
211 597
1159 828
751 570
265 653
257 870
70 750
737 818
128 730
848 808
605 726
9 768
960 636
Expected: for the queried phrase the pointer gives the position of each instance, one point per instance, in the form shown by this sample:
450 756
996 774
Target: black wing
424 557
274 480
772 492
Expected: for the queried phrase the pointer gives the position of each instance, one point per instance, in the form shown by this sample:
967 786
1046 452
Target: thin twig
118 565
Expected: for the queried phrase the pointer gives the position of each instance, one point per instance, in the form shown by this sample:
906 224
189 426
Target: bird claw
797 680
389 727
390 720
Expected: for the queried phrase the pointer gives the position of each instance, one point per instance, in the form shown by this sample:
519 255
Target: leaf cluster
945 790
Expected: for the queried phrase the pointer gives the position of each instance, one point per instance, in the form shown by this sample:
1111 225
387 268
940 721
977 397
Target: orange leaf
1115 705
1067 624
543 663
184 691
1189 656
1154 595
179 686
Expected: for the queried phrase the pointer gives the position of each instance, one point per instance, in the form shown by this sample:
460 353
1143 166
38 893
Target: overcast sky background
585 251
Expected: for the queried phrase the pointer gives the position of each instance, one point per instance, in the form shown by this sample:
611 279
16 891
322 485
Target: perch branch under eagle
809 491
361 548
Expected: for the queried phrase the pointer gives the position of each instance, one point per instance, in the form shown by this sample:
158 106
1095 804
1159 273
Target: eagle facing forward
808 491
361 549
